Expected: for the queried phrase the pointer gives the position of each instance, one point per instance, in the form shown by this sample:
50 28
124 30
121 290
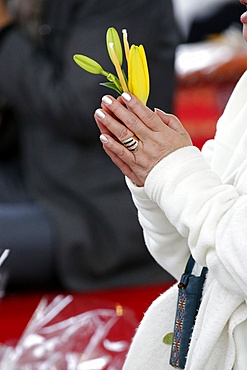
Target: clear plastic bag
97 339
3 275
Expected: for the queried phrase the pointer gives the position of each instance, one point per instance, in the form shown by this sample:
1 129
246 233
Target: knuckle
132 121
124 134
121 153
149 116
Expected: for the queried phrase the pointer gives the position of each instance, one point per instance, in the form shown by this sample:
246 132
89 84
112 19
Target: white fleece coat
196 202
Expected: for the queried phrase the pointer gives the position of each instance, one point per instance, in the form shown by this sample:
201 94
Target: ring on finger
131 143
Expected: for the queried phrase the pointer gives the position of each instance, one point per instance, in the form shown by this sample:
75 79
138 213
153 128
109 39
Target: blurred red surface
17 309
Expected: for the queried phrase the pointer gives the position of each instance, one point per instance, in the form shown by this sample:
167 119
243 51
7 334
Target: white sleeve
231 243
198 204
162 239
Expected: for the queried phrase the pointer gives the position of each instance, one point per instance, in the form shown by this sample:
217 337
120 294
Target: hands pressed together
158 134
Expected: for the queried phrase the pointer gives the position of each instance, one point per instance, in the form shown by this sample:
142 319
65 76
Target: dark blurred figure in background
198 20
65 213
219 18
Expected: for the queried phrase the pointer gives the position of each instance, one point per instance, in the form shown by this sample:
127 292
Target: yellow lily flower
138 75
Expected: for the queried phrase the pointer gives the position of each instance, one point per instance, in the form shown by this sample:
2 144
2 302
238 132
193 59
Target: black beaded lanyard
190 290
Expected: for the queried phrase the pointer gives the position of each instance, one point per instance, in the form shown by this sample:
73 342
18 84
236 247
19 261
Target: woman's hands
159 135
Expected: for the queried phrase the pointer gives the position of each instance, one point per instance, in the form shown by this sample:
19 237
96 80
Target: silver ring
131 143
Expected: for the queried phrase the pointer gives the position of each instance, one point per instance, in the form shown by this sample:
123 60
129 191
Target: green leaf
168 338
88 64
112 78
112 86
113 37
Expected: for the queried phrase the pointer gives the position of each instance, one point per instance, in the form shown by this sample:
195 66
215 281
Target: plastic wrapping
3 276
97 339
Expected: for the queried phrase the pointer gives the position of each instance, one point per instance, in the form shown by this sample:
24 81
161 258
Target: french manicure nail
103 139
159 110
126 96
100 113
107 100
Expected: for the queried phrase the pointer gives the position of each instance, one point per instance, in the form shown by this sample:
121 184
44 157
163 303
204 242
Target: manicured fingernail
100 113
103 139
159 110
126 96
107 100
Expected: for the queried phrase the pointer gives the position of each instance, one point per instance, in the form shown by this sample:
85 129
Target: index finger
137 117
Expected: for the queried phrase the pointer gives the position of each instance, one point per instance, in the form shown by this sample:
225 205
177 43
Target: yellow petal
145 68
138 76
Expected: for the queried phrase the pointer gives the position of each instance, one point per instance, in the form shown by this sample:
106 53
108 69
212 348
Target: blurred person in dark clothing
216 21
198 20
65 213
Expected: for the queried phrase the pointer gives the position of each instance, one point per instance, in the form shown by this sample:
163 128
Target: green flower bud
112 37
89 65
